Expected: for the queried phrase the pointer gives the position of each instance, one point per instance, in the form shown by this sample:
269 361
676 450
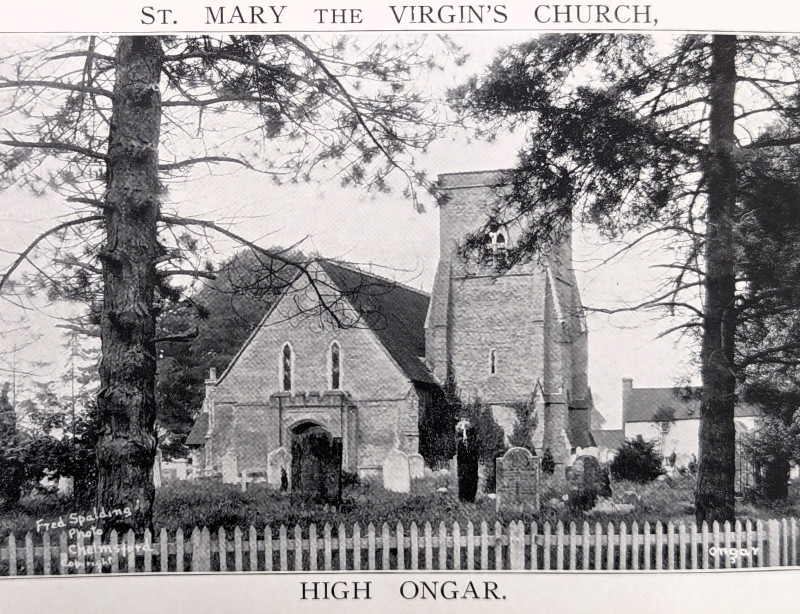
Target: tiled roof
394 312
197 436
611 439
642 404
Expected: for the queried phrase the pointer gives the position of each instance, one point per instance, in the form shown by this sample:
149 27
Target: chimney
627 391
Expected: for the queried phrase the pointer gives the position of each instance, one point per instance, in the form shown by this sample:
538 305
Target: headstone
180 468
416 466
66 487
316 467
230 472
396 472
157 469
518 481
279 462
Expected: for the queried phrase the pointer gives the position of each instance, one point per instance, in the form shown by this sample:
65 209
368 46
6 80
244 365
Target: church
360 357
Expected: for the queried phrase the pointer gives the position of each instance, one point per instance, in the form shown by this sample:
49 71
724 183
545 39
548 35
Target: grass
214 505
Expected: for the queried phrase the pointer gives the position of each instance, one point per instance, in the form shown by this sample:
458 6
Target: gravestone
416 466
396 473
518 481
316 467
279 462
587 481
181 468
230 471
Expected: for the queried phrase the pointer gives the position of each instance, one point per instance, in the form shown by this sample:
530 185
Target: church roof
197 436
394 312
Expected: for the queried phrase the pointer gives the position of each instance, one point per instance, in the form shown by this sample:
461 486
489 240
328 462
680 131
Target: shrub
638 461
548 462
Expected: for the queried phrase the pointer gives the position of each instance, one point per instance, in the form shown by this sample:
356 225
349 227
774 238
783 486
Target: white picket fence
773 543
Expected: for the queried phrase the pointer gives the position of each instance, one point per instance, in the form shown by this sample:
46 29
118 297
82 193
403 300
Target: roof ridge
356 269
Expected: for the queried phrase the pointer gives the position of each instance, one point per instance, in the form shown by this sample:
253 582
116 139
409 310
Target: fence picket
148 553
356 547
283 547
635 545
29 566
559 545
546 546
516 545
623 546
442 546
80 559
401 546
693 528
46 553
793 560
414 531
222 548
456 546
716 541
785 540
704 544
682 546
12 554
238 563
163 550
327 543
534 545
470 545
269 557
610 548
342 547
385 548
598 546
252 548
297 534
737 530
759 537
647 543
63 554
670 545
585 547
179 551
659 546
726 531
498 545
130 538
573 546
371 543
484 545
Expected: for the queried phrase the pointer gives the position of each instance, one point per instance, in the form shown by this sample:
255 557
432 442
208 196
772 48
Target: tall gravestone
279 464
517 481
317 467
416 466
396 473
467 455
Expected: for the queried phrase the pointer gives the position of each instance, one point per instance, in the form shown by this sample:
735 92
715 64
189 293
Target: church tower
513 337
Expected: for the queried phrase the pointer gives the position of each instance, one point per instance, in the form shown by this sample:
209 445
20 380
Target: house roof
197 436
609 438
643 404
394 312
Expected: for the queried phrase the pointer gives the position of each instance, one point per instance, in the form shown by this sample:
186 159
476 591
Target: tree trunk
127 444
714 496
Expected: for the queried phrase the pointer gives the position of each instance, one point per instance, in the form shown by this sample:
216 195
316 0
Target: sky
383 230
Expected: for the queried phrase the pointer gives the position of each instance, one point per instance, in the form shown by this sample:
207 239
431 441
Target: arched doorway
316 463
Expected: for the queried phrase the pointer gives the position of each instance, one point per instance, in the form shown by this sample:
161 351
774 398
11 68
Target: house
360 356
671 417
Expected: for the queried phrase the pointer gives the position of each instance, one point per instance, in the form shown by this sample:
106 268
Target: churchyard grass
212 504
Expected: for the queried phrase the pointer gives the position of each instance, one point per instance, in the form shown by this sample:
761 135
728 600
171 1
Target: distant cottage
506 339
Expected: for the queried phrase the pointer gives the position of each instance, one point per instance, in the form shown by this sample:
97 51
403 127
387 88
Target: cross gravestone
230 472
279 462
416 466
157 469
317 467
396 473
518 481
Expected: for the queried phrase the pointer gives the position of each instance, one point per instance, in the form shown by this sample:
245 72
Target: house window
287 360
336 368
492 361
